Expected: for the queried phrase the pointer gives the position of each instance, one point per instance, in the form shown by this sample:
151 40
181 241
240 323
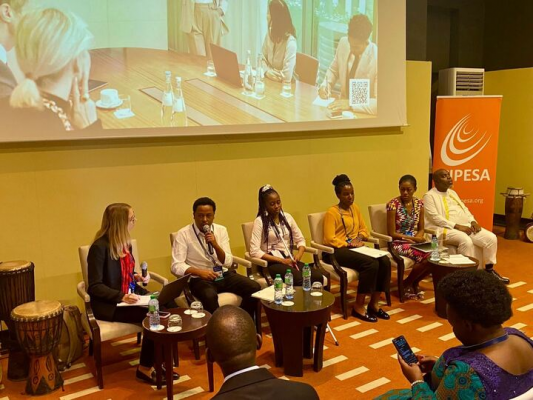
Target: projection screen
244 66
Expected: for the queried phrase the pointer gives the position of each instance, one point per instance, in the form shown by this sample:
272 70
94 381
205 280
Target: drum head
529 232
40 309
12 266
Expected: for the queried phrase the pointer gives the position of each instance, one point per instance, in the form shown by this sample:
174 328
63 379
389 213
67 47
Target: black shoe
367 317
379 313
175 375
497 275
152 379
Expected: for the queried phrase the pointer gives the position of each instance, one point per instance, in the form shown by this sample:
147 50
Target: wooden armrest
373 240
256 261
321 247
83 293
309 250
381 236
242 261
159 278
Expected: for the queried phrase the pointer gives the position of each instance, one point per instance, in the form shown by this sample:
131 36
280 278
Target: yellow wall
515 149
52 196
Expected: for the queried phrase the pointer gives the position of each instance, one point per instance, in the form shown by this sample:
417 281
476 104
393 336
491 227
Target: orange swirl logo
462 143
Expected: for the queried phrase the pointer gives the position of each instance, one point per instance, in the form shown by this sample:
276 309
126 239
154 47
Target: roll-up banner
466 144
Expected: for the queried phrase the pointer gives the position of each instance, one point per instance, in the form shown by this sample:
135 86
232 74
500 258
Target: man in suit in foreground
10 13
232 341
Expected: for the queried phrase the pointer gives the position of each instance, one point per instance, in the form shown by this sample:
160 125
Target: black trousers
135 315
281 269
374 273
207 291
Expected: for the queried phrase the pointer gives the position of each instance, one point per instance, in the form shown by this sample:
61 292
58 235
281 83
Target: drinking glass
316 289
210 68
286 88
197 309
174 323
124 109
444 256
259 89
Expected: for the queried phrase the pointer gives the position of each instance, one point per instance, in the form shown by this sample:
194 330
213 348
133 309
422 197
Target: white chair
266 279
101 331
345 276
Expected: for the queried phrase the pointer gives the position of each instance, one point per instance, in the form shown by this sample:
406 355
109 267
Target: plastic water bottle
248 78
306 274
153 311
434 249
179 111
259 86
289 284
278 289
167 101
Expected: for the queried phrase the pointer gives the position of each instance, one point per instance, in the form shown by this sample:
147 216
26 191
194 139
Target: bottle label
167 99
178 105
278 285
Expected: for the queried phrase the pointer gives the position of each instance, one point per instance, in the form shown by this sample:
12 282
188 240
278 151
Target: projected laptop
226 65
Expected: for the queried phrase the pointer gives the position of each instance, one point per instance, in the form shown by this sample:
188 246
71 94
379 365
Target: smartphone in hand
404 350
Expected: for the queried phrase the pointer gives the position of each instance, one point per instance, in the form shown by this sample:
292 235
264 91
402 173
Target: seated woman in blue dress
492 363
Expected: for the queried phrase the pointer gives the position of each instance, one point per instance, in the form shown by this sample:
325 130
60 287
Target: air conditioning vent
461 82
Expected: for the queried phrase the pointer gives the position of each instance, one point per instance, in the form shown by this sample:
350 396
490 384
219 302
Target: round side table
293 326
440 270
166 342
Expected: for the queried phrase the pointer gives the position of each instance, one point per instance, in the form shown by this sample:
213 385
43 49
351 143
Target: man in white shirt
202 21
356 58
232 342
202 249
10 13
446 213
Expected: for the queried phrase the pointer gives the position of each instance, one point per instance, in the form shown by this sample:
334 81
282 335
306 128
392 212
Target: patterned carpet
362 367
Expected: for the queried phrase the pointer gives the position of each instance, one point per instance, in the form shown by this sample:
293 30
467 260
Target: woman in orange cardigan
345 229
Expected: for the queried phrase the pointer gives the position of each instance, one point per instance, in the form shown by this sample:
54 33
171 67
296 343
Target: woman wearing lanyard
345 229
112 278
273 236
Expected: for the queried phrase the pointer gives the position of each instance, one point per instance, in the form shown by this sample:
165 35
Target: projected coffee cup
108 98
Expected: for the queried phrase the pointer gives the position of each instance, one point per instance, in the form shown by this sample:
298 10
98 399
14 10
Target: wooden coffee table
166 342
439 270
292 329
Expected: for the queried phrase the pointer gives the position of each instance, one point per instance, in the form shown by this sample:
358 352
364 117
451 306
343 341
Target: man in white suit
10 13
202 21
455 224
356 58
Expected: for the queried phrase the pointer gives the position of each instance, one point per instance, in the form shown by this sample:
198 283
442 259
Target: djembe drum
38 327
17 286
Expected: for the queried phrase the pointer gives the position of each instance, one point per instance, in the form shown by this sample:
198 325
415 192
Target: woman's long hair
115 226
47 42
267 220
280 21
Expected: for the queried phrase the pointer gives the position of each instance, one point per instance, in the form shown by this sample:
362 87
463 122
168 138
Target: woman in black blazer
112 278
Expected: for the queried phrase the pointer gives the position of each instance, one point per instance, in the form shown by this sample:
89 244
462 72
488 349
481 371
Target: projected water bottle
248 78
167 101
179 111
259 87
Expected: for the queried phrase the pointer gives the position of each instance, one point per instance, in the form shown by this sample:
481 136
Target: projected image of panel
236 66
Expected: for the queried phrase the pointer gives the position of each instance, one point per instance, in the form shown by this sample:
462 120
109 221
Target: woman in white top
273 236
279 46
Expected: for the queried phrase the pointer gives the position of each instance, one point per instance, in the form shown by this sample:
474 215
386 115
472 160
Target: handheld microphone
207 229
144 271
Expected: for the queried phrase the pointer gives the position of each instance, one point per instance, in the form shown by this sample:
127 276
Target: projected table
210 101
